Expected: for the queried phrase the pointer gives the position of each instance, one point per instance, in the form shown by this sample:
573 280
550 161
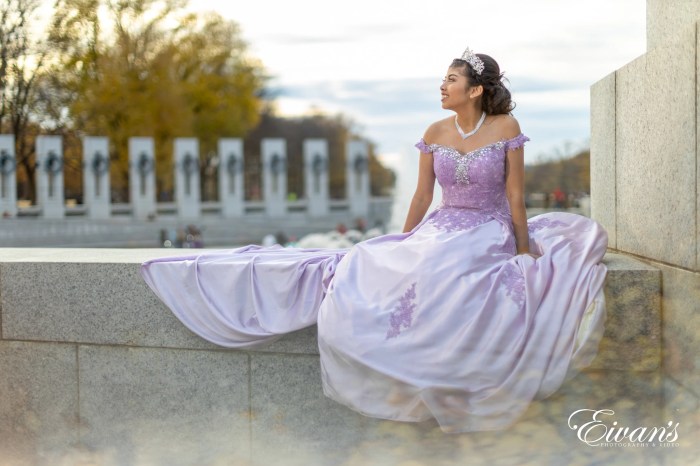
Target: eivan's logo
592 430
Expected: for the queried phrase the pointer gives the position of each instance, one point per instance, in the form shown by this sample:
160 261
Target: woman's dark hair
496 97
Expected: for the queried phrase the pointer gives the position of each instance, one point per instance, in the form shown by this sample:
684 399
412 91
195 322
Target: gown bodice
473 180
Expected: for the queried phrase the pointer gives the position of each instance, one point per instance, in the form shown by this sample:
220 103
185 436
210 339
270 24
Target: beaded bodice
476 179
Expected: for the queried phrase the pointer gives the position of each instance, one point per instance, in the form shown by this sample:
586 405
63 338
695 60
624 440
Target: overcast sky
381 62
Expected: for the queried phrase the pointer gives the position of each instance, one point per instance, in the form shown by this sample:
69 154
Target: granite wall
645 172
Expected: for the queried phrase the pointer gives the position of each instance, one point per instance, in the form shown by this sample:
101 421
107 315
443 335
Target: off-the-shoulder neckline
502 141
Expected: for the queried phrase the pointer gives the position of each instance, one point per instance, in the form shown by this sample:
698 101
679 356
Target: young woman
465 317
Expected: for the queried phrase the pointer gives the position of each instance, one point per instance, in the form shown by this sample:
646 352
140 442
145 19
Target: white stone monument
316 176
274 159
142 179
96 185
49 176
357 177
8 176
231 177
187 195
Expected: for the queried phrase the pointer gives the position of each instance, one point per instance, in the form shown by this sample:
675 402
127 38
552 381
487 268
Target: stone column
8 176
316 176
231 177
274 158
49 176
96 185
142 178
645 179
357 177
667 19
187 193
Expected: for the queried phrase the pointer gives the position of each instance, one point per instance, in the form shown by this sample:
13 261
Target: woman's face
455 89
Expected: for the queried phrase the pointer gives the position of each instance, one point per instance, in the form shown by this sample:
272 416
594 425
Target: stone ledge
96 296
107 375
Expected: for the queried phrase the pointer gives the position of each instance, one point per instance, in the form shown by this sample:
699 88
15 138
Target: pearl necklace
472 132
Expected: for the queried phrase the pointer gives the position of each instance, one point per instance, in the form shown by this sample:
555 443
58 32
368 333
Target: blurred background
298 70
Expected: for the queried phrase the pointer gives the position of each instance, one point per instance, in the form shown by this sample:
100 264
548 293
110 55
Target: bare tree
21 61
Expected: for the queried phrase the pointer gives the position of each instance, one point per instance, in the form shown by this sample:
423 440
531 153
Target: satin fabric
473 356
442 322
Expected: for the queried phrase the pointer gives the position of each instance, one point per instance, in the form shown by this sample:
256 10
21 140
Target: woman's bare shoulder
434 131
507 126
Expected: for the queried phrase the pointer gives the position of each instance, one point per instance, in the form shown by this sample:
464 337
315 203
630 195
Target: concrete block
656 155
38 402
231 169
632 338
603 188
187 178
142 178
87 303
274 177
49 176
164 406
667 20
96 179
8 176
357 185
681 329
292 421
316 174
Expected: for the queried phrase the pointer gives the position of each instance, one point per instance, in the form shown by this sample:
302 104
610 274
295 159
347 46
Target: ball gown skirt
443 322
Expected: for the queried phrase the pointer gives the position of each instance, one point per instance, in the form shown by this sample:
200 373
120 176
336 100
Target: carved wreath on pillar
360 164
54 163
144 164
276 164
100 163
232 164
7 163
318 164
190 165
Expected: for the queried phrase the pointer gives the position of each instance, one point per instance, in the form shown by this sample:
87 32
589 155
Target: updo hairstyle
496 98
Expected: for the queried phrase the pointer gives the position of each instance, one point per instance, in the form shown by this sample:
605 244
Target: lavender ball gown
442 322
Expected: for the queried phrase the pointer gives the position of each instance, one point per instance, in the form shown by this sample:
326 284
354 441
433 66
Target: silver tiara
474 61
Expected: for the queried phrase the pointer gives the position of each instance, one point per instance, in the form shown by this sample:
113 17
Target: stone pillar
187 192
231 177
645 178
357 177
8 176
666 19
142 178
49 176
316 176
274 158
96 185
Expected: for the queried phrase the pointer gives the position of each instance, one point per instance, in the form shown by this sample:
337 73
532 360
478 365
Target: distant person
281 238
465 317
559 198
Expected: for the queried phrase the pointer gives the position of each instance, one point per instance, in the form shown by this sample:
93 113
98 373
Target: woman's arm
515 191
424 192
